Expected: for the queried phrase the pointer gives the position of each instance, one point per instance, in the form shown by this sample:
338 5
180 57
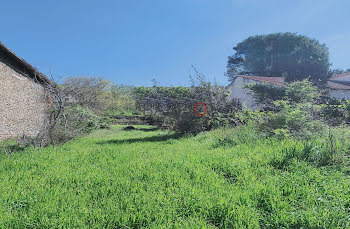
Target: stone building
24 98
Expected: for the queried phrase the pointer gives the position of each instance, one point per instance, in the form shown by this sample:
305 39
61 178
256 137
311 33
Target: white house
339 86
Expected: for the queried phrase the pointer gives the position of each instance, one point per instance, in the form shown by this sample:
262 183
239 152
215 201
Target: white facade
339 87
237 91
339 94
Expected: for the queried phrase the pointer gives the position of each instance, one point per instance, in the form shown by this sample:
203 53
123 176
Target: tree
337 71
292 56
91 92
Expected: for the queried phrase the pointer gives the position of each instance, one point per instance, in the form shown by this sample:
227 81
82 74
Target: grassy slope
225 178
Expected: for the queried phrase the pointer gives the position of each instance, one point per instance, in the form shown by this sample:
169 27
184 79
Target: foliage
295 92
337 71
249 117
91 92
297 119
336 112
265 94
302 92
77 122
291 110
174 106
227 178
121 100
87 104
292 56
97 94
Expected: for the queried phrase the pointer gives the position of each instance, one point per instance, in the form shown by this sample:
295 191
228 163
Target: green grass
227 178
126 113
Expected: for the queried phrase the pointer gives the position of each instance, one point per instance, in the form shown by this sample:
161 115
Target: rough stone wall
23 104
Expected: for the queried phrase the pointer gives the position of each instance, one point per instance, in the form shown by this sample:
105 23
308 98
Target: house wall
237 91
340 94
342 78
23 104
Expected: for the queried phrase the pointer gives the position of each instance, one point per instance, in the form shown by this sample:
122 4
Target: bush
292 110
174 106
302 92
336 112
296 119
94 93
86 104
74 122
249 116
98 95
265 94
295 92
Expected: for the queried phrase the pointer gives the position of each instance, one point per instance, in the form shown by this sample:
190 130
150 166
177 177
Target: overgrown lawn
151 178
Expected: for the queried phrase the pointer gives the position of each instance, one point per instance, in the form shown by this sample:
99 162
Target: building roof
346 74
334 82
278 81
340 81
337 85
23 66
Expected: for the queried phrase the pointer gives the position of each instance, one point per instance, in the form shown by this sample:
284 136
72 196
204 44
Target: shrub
249 116
97 94
302 92
265 94
336 112
174 106
293 109
86 104
74 122
295 92
91 92
297 119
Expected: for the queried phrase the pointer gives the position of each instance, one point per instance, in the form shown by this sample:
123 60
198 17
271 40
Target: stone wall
23 104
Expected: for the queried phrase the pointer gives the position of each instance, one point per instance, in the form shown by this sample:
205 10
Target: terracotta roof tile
337 86
340 75
279 81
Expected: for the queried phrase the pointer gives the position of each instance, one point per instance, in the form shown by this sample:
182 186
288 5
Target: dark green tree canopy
292 56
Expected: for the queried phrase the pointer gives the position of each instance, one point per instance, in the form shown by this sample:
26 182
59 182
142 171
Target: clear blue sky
134 41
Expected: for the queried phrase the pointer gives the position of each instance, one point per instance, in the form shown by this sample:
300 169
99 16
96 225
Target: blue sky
133 41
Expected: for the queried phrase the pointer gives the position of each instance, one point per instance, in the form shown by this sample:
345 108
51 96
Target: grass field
151 178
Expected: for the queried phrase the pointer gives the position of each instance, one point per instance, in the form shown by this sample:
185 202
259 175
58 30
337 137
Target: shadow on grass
145 139
8 149
132 128
147 129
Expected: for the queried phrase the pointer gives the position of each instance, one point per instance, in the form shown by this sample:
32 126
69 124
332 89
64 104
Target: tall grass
227 178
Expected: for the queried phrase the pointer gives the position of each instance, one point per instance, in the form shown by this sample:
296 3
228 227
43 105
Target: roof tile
278 81
340 75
